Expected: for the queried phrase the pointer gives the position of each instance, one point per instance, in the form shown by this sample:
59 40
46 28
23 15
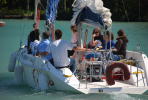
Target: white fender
18 74
12 62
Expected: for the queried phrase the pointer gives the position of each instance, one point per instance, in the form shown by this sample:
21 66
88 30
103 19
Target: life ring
123 69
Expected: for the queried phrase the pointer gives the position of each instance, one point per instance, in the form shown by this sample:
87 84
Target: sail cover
91 12
51 10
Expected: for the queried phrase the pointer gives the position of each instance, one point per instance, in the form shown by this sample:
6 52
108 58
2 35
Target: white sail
96 6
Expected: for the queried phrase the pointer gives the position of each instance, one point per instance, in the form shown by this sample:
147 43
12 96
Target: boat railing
138 66
90 65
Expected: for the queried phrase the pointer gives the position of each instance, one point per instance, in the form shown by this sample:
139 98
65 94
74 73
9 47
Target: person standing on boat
121 43
74 30
44 47
74 39
59 50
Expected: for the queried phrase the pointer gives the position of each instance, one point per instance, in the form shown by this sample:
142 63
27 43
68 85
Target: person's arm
112 44
93 37
43 53
43 50
119 43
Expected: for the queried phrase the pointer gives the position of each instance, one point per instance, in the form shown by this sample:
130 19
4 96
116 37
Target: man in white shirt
59 52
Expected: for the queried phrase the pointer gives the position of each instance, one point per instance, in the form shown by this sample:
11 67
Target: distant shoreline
15 17
58 18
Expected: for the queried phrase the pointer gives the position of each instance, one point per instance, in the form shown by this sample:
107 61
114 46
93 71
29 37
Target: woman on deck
121 43
96 42
108 42
97 38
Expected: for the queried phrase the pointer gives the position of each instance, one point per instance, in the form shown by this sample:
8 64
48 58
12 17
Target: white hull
98 87
42 75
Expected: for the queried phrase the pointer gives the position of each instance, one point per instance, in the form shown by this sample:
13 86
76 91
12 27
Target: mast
28 5
37 14
139 10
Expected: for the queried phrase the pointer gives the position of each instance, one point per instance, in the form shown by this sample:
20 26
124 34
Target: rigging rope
126 13
42 5
139 10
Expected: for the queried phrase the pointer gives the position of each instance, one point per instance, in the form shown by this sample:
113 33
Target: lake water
17 30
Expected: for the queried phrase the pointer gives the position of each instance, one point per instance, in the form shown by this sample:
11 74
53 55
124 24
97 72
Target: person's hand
114 49
93 35
80 49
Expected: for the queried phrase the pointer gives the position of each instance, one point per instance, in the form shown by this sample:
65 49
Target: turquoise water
17 30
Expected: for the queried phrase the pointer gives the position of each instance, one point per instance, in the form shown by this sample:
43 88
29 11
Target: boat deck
102 87
103 84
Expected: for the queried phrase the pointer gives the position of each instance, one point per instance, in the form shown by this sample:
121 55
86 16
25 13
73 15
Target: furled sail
51 10
91 12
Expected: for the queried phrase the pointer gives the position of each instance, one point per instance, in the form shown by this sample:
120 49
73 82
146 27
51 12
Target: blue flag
51 10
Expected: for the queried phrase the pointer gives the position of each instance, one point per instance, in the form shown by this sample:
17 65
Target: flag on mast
51 10
51 13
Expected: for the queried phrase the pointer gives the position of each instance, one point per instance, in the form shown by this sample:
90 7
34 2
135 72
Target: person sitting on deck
96 35
121 43
59 52
108 42
33 41
95 43
44 47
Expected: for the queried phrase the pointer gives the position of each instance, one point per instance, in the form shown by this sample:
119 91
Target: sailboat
126 76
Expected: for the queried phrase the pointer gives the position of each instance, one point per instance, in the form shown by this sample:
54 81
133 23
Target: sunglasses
96 32
75 30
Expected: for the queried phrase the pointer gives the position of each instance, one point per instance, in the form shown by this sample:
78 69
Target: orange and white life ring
110 71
